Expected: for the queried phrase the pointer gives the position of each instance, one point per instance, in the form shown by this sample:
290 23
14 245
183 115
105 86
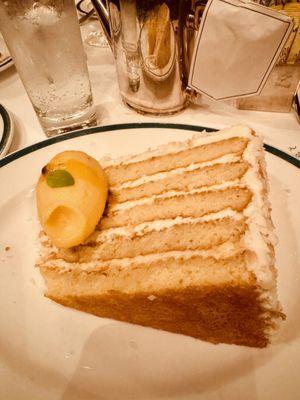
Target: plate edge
133 125
7 128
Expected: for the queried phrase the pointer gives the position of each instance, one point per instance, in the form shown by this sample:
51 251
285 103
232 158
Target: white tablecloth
279 129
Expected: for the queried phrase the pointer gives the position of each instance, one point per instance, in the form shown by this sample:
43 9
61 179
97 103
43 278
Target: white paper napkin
237 45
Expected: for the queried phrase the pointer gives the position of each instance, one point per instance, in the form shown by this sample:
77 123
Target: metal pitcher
152 41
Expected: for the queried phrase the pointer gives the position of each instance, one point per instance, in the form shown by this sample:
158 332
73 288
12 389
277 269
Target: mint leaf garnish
59 178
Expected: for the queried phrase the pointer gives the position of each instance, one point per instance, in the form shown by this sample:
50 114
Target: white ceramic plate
5 58
51 352
6 131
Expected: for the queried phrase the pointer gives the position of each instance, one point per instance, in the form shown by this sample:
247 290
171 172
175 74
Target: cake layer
50 258
226 159
183 181
188 204
186 235
164 296
124 172
214 300
229 314
174 272
198 139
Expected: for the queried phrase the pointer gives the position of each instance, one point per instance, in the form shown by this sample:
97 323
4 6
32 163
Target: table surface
279 129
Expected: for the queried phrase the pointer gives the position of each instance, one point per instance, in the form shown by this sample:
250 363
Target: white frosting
198 139
259 237
221 251
228 158
260 228
173 193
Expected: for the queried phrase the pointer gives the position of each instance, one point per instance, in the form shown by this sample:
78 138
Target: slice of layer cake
185 245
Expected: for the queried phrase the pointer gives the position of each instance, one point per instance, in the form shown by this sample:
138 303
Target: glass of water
45 42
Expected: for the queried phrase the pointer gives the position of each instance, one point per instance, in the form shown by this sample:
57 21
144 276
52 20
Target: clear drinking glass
45 42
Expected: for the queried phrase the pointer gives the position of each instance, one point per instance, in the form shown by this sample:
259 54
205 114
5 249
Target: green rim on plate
110 128
7 128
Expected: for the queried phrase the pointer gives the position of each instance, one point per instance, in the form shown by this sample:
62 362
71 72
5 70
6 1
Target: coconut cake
186 243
